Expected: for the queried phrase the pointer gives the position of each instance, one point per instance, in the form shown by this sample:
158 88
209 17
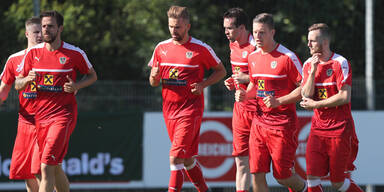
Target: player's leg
317 161
176 178
47 178
32 185
259 158
61 180
282 145
314 184
195 175
241 127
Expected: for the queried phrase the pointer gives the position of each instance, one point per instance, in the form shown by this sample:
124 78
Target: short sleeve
83 65
344 75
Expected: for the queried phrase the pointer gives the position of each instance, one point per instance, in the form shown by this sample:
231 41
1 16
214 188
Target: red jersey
239 63
181 66
329 78
276 73
26 96
52 69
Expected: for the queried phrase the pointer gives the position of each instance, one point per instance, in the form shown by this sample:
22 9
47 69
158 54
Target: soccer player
275 75
241 45
326 88
52 66
25 141
179 63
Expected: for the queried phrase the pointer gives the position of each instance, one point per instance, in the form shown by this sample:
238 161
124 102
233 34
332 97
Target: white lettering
117 166
215 149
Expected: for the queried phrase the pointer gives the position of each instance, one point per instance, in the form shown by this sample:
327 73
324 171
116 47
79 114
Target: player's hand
70 86
197 88
229 83
270 101
240 78
30 77
155 71
314 62
308 103
240 94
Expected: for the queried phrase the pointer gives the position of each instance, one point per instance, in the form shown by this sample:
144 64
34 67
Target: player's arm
308 89
219 73
4 90
341 98
22 82
87 80
154 76
293 97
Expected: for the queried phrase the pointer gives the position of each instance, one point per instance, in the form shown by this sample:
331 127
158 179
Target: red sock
176 179
354 188
316 188
196 176
241 190
291 190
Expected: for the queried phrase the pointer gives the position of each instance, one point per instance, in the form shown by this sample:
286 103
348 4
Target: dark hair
265 18
59 18
241 18
324 29
32 20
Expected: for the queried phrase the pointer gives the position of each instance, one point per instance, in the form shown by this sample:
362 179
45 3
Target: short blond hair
323 28
177 12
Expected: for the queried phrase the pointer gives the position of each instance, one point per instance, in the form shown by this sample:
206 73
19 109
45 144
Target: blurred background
119 37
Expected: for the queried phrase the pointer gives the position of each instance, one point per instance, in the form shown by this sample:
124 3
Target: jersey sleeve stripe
52 70
239 63
21 66
71 47
325 84
193 40
343 64
292 56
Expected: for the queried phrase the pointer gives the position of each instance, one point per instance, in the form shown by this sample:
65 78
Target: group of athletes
45 76
268 80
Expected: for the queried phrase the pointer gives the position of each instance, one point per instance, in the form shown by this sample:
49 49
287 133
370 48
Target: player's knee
284 182
176 160
338 185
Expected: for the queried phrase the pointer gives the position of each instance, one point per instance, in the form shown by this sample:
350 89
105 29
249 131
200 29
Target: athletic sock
196 176
241 190
350 186
176 179
314 185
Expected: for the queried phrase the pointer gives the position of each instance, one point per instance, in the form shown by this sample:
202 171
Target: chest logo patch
244 54
261 84
322 93
48 79
62 60
329 72
273 64
173 73
189 54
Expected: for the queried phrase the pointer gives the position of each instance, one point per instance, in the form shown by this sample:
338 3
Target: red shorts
333 155
241 129
53 139
25 143
184 133
273 145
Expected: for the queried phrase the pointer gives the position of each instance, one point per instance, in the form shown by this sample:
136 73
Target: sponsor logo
48 79
49 88
261 93
174 82
260 84
322 93
62 60
164 53
29 95
215 149
36 58
33 86
273 64
189 54
173 73
237 69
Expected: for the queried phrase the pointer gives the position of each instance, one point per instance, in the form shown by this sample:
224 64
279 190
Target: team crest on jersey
173 73
189 54
48 79
329 72
273 64
261 84
244 54
33 86
322 93
63 60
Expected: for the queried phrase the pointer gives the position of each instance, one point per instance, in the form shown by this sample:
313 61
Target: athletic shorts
36 163
333 155
53 139
184 133
25 143
241 129
274 146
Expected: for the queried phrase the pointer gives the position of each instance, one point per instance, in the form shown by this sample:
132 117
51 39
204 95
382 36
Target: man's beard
51 38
